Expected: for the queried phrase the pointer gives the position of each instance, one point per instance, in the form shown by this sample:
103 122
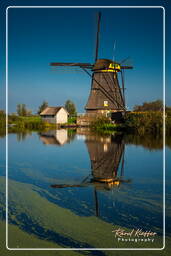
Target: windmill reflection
106 154
107 163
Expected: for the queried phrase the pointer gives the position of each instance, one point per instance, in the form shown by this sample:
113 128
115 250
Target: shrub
144 122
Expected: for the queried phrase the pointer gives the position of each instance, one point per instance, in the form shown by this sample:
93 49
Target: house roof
51 110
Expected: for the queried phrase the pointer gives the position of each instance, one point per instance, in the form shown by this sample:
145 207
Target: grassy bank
23 123
30 122
136 122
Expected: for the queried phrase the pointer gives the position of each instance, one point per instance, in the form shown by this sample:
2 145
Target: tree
70 107
21 110
2 117
156 105
29 112
168 109
42 106
2 112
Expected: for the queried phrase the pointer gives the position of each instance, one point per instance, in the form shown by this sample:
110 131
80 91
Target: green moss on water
30 241
24 198
21 239
93 231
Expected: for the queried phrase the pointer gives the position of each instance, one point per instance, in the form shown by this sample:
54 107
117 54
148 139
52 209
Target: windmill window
105 103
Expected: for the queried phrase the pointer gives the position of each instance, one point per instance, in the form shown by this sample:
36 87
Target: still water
75 189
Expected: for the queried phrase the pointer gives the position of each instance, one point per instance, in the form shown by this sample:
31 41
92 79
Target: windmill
106 95
107 166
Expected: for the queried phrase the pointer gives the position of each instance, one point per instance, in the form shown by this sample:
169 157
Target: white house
55 115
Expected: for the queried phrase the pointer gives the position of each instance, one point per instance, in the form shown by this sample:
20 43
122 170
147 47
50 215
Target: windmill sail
97 36
106 95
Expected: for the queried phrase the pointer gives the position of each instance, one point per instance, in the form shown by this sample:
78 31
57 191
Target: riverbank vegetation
23 119
147 118
22 123
139 123
144 119
156 105
144 122
136 122
71 108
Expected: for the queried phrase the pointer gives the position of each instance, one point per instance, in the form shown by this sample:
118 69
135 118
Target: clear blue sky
40 36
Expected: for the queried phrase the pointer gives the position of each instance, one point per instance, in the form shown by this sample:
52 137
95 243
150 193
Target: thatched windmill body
106 95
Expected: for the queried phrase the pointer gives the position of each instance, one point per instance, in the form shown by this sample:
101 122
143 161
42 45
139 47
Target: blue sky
39 36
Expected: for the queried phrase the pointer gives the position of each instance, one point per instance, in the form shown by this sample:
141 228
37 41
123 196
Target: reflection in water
106 155
23 135
67 216
154 142
57 137
107 164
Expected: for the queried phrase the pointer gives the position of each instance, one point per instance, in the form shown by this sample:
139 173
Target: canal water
79 189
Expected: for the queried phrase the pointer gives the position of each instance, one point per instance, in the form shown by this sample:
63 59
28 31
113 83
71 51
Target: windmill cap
103 64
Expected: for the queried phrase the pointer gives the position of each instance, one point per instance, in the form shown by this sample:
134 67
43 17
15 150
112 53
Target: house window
48 116
105 103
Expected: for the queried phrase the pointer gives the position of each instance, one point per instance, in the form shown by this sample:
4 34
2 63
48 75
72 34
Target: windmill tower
106 95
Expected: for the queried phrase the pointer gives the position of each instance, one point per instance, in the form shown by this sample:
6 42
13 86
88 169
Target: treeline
22 110
144 119
156 105
148 118
150 122
23 119
2 119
